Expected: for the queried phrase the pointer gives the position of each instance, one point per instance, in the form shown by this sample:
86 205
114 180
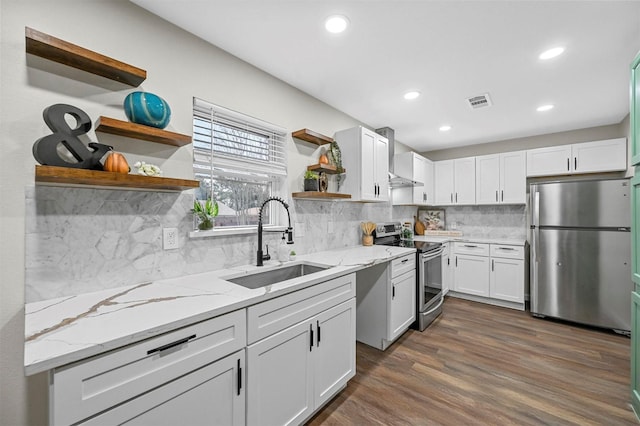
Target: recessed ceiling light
543 108
411 95
445 128
336 24
551 53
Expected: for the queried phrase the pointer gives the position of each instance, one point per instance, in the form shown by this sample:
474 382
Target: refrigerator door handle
535 210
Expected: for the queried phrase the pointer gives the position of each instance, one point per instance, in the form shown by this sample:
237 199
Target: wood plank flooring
484 365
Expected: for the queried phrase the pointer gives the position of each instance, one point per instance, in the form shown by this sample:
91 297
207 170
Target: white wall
179 66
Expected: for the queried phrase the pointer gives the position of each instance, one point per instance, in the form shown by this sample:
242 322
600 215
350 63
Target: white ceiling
447 50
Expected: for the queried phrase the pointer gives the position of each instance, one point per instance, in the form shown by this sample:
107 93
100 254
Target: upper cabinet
417 168
455 181
365 154
588 157
501 178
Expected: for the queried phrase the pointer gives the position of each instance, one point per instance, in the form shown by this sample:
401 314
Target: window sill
223 232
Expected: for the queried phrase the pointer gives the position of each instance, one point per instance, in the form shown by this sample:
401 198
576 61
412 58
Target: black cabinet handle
502 194
496 195
239 377
448 261
575 163
393 291
311 339
568 164
405 261
171 345
318 325
456 197
470 245
452 197
456 261
492 264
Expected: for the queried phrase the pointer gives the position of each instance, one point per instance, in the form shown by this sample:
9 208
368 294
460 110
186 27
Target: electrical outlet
330 227
170 238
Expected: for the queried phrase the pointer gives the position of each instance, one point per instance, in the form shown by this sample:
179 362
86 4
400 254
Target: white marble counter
67 329
444 239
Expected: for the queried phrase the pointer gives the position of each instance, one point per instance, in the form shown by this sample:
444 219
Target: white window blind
228 143
240 161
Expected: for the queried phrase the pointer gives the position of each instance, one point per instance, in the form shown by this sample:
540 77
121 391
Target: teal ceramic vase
147 109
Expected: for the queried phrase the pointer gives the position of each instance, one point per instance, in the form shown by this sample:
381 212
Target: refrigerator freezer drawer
583 276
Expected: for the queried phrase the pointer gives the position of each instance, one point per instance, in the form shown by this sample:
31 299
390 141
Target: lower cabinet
295 371
492 273
386 301
472 274
194 374
211 395
302 351
635 350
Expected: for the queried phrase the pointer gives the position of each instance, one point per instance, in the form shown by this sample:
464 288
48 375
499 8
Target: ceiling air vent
479 101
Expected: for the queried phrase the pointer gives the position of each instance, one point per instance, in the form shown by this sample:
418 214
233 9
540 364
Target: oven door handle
433 255
435 307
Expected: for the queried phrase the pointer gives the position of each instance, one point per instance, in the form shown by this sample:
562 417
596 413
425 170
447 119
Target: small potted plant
205 213
292 255
310 181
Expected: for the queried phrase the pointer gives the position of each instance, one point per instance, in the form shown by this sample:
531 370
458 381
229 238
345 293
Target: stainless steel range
428 271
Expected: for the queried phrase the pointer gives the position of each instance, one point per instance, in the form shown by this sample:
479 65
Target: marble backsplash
502 221
81 240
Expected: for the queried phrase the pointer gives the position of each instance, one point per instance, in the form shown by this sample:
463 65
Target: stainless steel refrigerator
581 252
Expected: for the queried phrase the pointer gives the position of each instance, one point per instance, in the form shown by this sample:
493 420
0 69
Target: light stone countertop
67 329
444 239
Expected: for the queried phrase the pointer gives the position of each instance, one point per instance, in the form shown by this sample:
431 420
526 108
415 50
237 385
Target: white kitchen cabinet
472 274
455 181
447 268
507 273
211 395
501 178
386 301
416 167
85 388
304 351
490 273
297 370
365 156
588 157
403 304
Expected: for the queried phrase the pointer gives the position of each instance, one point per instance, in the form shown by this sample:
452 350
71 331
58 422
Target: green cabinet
635 233
635 111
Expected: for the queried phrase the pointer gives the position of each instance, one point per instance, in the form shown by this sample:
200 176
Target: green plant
206 212
310 175
292 253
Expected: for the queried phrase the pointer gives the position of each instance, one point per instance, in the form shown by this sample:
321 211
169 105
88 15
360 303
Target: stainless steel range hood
395 181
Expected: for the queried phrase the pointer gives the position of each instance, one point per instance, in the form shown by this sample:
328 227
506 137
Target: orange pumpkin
116 162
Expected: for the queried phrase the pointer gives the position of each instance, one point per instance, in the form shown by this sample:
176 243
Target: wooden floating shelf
139 131
54 49
317 195
311 136
69 176
326 168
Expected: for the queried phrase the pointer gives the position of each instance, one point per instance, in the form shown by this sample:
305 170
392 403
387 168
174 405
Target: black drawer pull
506 248
470 245
405 261
171 345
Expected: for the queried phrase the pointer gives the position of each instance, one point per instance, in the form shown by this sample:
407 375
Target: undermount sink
272 276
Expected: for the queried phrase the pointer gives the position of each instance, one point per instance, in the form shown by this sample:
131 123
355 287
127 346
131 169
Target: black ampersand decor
45 149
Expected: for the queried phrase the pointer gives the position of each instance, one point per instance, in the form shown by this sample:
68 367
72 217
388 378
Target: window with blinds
239 160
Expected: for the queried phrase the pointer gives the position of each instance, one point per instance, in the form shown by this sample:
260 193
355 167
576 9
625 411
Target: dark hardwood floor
484 365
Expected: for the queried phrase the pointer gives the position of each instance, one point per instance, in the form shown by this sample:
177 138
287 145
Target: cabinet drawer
478 249
507 251
87 387
403 264
274 315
